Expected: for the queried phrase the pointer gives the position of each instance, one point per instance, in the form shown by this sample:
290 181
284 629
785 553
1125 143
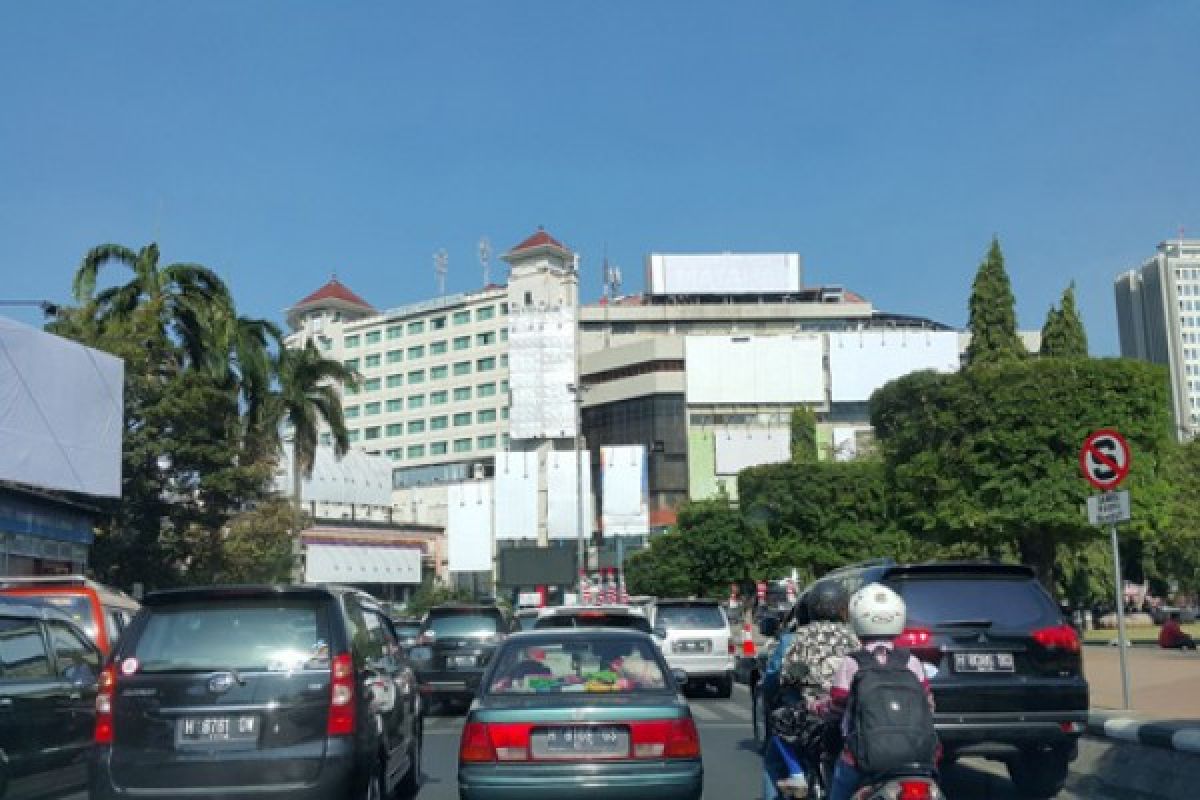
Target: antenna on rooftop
441 261
485 259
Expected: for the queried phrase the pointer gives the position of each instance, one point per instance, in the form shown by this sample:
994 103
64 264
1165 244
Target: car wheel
374 788
410 784
725 685
758 714
1040 773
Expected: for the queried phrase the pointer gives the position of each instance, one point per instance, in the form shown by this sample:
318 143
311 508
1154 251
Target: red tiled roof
539 239
334 290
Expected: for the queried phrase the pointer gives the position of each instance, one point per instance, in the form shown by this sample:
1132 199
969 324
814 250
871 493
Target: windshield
464 624
258 636
690 618
407 631
1002 602
75 606
578 665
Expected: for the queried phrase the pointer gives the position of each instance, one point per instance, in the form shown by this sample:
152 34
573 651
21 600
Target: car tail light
664 738
105 691
920 642
510 740
683 740
1059 637
341 697
732 648
915 790
1072 727
475 747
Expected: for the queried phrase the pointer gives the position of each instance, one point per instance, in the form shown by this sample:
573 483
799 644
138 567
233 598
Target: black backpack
891 724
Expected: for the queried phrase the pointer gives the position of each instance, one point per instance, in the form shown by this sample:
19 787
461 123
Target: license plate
580 741
693 646
242 728
462 661
983 662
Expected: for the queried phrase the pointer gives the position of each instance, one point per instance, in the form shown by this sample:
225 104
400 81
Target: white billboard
562 508
469 526
741 447
755 369
354 479
61 412
541 369
341 563
516 495
861 362
723 273
625 506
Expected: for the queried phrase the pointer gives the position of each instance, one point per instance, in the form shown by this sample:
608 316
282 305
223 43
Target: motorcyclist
803 666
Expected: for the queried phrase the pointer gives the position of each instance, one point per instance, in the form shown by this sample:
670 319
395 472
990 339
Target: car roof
465 607
68 583
168 597
959 568
684 601
23 607
616 609
575 633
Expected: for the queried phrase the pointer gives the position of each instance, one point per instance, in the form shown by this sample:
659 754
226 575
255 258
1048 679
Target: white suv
694 637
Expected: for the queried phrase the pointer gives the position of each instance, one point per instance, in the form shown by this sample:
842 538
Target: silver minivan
694 637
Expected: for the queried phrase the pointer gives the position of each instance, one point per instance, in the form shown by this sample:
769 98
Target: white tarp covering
61 412
345 563
861 362
739 448
562 511
755 369
723 273
624 506
516 495
541 347
355 479
469 526
845 444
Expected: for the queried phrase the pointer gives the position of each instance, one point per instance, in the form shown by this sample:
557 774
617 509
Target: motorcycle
808 748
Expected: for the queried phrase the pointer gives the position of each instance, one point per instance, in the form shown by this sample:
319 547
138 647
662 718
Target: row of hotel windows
1190 322
461 419
417 376
1191 338
1189 274
441 346
442 448
1189 289
417 327
439 398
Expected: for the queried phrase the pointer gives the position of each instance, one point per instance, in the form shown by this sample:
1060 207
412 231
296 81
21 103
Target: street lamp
580 443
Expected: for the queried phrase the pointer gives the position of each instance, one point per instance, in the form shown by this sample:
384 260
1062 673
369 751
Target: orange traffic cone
748 650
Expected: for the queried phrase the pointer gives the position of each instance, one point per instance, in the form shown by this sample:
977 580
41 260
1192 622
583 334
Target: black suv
1006 669
456 644
257 692
48 674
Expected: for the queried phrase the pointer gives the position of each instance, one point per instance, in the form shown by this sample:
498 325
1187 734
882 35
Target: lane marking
704 713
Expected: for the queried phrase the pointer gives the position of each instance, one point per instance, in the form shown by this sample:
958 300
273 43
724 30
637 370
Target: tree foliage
804 435
992 315
1063 335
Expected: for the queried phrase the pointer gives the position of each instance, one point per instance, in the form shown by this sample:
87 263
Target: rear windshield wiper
965 623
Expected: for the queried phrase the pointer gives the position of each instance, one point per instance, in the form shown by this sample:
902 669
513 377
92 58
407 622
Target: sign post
1105 460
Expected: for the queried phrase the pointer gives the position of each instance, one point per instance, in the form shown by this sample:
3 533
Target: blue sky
886 142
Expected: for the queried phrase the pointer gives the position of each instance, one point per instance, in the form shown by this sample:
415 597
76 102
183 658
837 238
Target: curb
1180 735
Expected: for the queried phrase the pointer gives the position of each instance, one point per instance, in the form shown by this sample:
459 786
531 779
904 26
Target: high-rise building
1158 320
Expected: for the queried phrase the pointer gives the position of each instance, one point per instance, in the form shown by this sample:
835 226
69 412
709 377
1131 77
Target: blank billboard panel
361 564
61 412
562 509
625 509
534 566
356 478
755 369
860 363
541 368
741 448
516 495
469 526
723 273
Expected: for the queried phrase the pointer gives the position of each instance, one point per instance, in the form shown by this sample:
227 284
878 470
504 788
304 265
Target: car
47 700
525 619
258 692
100 611
455 645
1005 668
694 636
580 713
408 630
593 617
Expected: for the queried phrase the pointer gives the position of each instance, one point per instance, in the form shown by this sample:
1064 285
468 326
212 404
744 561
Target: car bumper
1000 735
696 668
654 780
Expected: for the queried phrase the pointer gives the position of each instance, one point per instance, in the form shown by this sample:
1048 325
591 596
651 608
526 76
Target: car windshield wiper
965 623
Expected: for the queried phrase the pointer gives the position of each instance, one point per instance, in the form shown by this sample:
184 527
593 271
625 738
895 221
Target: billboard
354 479
861 362
723 273
536 566
562 510
624 493
755 369
747 447
469 526
345 563
541 351
516 495
61 412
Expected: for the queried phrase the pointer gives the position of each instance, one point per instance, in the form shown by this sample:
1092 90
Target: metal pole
1120 616
581 555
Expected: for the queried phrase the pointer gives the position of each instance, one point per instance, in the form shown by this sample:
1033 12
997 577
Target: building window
416 376
504 334
395 356
462 368
529 298
462 445
462 317
439 373
352 435
394 405
504 309
416 451
462 419
462 342
504 386
416 327
371 385
439 423
437 348
371 409
350 363
437 324
349 390
504 440
485 390
395 454
485 415
462 393
504 413
416 352
437 449
326 439
416 426
395 331
374 360
485 339
486 442
395 429
351 412
350 341
372 432
504 360
438 398
373 337
416 401
485 364
395 380
485 313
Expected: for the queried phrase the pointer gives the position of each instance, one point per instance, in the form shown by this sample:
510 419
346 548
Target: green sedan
579 713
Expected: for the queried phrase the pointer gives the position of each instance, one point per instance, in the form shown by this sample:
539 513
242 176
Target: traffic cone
748 650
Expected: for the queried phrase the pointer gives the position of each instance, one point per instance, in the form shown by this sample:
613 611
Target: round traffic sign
1105 459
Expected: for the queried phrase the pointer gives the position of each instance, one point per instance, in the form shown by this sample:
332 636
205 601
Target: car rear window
690 618
274 636
594 619
1005 602
463 623
578 665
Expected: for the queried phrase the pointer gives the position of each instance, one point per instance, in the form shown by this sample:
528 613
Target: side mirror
681 677
769 627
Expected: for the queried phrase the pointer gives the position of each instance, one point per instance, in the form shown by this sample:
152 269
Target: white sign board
1108 508
469 526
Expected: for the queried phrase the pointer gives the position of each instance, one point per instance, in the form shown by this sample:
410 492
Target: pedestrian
1172 637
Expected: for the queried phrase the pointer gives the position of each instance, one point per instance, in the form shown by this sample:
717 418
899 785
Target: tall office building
1158 320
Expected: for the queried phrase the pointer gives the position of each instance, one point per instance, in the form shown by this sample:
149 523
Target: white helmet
877 611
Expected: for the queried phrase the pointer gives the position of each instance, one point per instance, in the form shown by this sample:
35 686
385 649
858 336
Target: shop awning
330 563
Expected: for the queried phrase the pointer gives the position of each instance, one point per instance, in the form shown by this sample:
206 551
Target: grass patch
1136 633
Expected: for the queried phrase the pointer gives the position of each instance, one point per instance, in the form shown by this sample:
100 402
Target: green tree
1063 335
257 545
804 435
430 595
993 318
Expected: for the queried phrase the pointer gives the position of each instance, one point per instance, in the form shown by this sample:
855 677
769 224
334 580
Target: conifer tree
1063 335
992 316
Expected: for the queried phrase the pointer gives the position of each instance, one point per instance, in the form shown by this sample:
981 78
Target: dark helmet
827 602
